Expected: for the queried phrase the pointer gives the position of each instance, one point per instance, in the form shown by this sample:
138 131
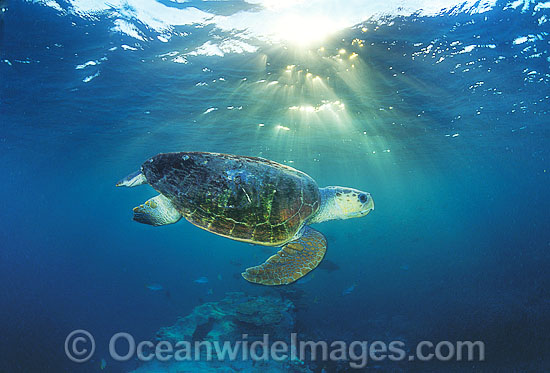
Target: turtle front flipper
293 261
158 210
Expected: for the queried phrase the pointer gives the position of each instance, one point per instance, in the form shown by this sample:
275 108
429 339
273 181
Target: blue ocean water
439 111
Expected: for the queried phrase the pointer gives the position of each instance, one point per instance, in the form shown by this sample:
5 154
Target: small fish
349 290
328 266
404 267
210 292
201 280
220 277
103 364
154 287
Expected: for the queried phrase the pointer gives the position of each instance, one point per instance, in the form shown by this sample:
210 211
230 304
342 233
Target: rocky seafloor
237 319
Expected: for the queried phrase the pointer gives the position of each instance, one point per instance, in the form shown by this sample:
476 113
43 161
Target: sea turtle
247 199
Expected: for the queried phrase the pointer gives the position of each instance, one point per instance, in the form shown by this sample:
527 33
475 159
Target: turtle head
352 203
343 203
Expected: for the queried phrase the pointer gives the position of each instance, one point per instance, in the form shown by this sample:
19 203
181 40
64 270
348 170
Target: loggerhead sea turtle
247 199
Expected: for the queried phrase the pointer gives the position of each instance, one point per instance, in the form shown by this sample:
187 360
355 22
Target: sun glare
305 30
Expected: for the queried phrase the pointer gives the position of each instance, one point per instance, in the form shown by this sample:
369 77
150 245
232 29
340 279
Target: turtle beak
369 205
371 201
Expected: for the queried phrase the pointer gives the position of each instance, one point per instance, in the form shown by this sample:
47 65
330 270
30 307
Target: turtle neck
328 210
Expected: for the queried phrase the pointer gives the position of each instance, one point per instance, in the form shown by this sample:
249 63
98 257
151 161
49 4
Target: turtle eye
363 197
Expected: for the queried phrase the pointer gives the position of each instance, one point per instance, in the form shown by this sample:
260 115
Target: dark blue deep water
441 114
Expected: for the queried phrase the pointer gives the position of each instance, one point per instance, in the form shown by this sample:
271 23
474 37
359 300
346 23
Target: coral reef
233 316
237 319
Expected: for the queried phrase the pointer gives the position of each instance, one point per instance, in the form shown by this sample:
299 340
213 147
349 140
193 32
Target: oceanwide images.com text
80 347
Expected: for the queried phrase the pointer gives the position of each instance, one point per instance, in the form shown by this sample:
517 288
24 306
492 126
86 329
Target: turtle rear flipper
132 180
157 211
293 261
